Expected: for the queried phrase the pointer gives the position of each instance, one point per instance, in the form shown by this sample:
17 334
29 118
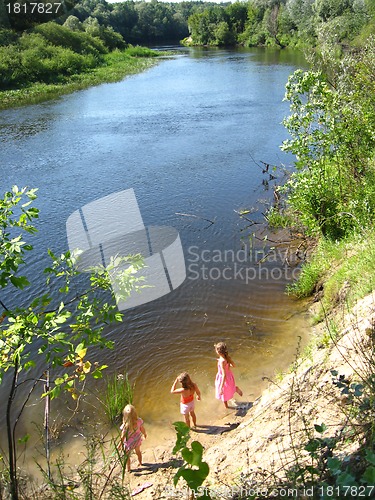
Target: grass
346 268
118 393
278 218
115 66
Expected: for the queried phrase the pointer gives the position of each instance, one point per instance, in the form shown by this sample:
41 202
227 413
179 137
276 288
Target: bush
82 43
7 37
332 132
138 51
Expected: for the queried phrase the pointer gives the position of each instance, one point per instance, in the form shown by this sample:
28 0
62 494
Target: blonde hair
129 418
185 380
222 350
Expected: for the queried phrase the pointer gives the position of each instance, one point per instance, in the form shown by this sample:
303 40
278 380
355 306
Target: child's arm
198 392
223 375
123 434
173 388
143 430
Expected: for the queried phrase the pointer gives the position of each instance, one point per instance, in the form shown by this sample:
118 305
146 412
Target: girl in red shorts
187 393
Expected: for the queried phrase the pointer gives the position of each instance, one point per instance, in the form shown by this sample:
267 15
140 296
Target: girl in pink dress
131 433
225 386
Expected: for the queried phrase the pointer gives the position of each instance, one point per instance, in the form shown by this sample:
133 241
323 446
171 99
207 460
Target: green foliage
183 436
278 218
115 66
16 215
194 470
79 42
138 51
118 393
281 22
40 56
7 37
58 329
333 137
345 267
94 478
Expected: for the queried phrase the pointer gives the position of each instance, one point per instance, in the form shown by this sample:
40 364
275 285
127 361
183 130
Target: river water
185 135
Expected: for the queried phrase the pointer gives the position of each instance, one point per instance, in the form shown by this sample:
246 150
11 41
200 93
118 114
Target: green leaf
346 479
187 455
197 453
370 456
313 445
183 436
81 351
334 465
369 476
320 428
97 374
24 439
177 475
192 477
29 364
358 390
19 281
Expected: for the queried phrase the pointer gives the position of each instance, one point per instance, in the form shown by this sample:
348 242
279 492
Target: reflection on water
185 135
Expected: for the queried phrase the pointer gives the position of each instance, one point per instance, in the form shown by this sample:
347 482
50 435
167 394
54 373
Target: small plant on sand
194 470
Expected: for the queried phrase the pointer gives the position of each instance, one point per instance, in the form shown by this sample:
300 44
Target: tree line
282 23
76 42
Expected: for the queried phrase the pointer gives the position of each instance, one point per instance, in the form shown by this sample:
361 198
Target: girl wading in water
187 392
225 386
131 433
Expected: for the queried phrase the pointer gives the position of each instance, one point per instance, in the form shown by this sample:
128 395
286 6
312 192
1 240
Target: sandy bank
253 448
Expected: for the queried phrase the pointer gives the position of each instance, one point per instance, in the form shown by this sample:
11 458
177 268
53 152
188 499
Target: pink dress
229 387
132 439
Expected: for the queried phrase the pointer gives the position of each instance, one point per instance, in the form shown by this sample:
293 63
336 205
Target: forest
77 41
282 23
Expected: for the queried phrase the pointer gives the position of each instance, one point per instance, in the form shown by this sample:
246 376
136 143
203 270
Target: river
186 136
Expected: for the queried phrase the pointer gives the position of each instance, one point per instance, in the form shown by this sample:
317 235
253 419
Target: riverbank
309 433
116 66
302 436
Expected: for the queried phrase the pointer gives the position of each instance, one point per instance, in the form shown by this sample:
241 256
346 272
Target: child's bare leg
139 454
128 463
239 392
194 418
187 420
225 404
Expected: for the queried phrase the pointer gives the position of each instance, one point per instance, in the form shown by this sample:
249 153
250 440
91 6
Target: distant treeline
283 23
77 41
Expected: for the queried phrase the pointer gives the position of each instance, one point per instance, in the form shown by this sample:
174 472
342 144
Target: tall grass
118 393
344 270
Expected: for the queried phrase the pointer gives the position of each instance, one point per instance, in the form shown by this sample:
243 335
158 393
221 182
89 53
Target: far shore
117 66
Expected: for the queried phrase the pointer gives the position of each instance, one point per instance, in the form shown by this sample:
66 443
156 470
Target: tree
91 26
332 130
73 23
62 324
